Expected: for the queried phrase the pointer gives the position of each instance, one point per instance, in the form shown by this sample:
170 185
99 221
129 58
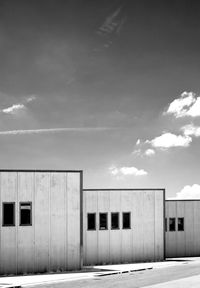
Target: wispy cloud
16 108
127 171
189 192
55 130
191 130
168 140
188 104
149 152
13 109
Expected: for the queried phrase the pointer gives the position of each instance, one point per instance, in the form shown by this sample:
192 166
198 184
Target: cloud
126 171
189 192
13 109
168 140
149 152
138 142
188 104
191 130
16 108
55 130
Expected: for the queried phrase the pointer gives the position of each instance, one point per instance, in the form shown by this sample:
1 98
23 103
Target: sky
108 87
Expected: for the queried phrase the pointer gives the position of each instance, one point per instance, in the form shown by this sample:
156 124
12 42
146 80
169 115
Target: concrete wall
187 242
143 242
52 242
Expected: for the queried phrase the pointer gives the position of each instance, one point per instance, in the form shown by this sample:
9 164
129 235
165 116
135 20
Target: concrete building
123 225
182 226
41 215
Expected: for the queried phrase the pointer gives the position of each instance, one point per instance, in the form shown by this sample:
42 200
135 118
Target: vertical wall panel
42 225
103 235
58 221
115 244
8 259
196 228
25 233
172 235
189 228
180 239
159 225
73 220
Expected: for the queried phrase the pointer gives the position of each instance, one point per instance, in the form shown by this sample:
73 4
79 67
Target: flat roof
40 170
125 189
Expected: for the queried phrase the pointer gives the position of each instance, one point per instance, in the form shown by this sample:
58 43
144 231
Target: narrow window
91 221
126 220
172 224
103 221
25 214
165 224
114 221
180 224
8 214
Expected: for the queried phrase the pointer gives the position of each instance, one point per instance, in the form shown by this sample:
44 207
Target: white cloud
138 142
149 152
31 98
186 105
13 109
127 171
55 130
191 130
168 140
189 192
137 152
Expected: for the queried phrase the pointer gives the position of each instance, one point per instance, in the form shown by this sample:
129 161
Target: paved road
135 279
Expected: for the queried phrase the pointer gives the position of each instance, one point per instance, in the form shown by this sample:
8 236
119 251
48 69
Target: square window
8 214
91 221
126 220
114 220
172 224
103 221
25 214
181 224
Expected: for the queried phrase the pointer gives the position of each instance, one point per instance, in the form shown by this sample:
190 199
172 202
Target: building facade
182 226
123 226
41 214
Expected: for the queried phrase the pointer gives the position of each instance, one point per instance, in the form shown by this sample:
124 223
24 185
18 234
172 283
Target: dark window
165 224
8 214
103 221
172 224
126 220
114 220
180 224
91 221
25 214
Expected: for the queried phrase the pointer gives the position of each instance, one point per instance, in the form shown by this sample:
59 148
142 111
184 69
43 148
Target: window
8 214
25 214
126 220
165 224
103 221
180 224
114 221
91 221
172 224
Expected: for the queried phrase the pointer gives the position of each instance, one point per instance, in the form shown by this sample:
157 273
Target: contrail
56 130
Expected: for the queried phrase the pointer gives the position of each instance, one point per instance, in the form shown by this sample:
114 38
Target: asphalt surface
135 279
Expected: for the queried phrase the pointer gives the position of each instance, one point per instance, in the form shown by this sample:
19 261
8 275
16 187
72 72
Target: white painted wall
183 243
143 242
52 243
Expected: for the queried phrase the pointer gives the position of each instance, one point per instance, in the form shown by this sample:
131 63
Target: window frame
14 215
182 230
174 224
93 213
128 212
166 222
111 221
100 213
20 220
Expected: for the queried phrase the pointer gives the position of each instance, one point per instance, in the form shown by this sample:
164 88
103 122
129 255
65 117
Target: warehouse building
123 225
182 226
41 214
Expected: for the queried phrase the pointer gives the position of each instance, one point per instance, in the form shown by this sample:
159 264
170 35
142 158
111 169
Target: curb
123 272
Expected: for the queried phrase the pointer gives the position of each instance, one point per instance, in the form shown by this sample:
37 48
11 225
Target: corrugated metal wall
187 242
52 242
143 242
